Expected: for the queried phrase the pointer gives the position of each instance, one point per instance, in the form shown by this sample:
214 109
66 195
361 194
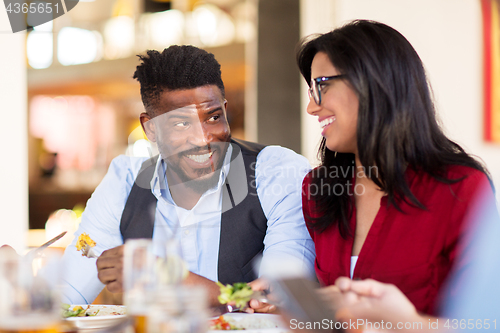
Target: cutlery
88 252
42 247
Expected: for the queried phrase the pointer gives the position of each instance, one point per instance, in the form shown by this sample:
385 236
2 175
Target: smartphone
302 307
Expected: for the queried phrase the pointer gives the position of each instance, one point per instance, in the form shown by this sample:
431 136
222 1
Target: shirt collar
159 184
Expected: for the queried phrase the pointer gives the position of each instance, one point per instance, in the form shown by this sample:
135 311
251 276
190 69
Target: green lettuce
240 293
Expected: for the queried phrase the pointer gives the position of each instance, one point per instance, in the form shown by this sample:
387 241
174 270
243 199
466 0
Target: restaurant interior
70 104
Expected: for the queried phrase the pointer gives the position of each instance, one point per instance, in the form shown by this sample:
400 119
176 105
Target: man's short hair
176 68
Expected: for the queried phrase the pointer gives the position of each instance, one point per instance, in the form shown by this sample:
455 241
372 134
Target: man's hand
256 306
110 269
212 288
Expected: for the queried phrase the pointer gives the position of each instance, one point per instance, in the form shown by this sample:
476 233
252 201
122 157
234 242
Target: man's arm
287 245
110 272
212 289
279 174
101 220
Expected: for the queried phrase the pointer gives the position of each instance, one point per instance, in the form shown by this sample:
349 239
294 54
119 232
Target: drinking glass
179 309
171 268
148 268
29 294
139 280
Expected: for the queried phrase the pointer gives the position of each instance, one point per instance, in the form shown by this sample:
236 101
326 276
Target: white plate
280 326
98 321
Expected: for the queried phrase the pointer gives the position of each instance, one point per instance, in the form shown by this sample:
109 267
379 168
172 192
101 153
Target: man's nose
200 136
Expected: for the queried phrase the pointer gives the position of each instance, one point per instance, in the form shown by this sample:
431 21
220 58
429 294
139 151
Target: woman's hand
372 301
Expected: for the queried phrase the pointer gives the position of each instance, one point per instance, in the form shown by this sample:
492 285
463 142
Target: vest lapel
138 216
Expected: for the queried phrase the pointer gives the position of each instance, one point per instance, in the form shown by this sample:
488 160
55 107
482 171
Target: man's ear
148 126
225 108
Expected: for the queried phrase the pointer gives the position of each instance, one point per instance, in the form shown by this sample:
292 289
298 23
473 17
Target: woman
391 195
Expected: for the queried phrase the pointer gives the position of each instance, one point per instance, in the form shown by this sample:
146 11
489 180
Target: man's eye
214 118
181 124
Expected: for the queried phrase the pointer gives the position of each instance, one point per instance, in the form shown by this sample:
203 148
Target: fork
88 252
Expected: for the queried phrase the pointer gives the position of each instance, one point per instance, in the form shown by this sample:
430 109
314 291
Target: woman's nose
312 107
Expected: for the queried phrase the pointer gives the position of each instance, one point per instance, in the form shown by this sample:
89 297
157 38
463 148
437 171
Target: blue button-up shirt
278 178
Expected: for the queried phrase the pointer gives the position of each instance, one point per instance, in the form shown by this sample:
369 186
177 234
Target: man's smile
202 158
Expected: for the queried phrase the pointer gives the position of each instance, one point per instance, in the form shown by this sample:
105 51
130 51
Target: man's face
192 134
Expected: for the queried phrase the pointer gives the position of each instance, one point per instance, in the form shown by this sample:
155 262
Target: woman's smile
325 122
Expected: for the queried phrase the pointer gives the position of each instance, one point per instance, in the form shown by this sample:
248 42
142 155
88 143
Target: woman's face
338 112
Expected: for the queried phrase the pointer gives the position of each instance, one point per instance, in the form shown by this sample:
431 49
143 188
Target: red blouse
414 250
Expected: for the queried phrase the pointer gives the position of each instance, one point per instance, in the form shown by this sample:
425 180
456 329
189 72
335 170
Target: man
226 201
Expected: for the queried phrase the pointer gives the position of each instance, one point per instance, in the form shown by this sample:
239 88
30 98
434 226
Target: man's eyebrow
214 110
180 112
178 115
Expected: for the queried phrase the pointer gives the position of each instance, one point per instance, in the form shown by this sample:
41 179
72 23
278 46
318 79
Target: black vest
243 223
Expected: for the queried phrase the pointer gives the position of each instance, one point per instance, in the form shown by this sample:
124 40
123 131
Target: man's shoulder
124 165
268 151
276 162
281 155
247 147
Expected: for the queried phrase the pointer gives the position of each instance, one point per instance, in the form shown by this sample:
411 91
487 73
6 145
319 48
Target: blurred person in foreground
391 195
227 201
7 251
470 300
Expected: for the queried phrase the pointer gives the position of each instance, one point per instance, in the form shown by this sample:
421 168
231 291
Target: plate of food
250 322
93 316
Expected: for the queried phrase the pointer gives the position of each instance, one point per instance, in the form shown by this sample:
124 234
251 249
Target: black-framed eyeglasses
316 86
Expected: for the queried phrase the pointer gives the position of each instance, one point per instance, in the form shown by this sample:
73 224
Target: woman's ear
148 126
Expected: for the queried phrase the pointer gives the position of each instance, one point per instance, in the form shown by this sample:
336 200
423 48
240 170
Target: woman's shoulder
311 178
308 191
454 182
465 172
467 178
306 186
462 182
457 174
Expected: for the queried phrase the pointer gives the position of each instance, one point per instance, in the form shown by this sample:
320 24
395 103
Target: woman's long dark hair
397 126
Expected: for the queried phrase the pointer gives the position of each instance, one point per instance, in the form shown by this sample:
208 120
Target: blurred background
69 104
